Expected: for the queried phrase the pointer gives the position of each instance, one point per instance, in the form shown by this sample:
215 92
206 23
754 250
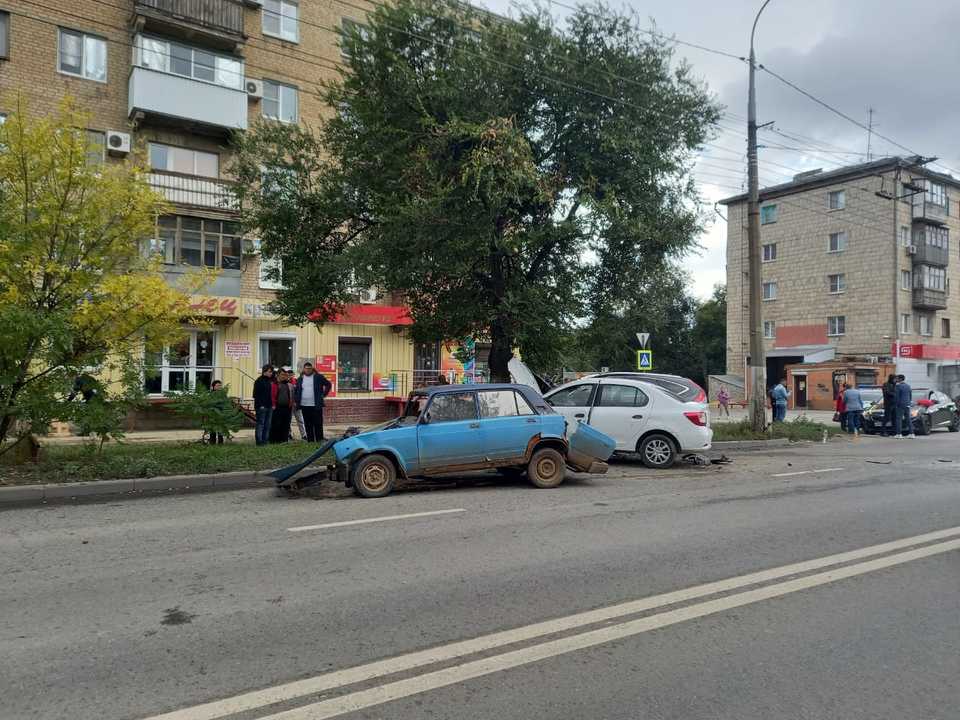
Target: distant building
855 266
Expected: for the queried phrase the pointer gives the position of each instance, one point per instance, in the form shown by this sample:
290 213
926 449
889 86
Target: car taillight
697 418
701 395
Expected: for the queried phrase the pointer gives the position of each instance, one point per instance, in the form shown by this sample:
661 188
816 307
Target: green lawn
799 429
70 463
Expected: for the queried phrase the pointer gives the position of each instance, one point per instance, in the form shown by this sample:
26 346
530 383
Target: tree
710 333
210 410
484 169
76 297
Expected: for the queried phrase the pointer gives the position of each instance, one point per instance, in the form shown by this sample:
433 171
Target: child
723 398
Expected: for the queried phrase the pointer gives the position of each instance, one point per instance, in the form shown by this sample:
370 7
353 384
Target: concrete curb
750 445
137 487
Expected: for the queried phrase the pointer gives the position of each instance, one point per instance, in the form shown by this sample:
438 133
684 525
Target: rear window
502 403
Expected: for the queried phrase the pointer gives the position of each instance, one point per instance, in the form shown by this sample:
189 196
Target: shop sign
255 309
326 365
237 349
382 382
214 305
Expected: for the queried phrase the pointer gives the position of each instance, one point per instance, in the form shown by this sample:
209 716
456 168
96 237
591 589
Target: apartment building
177 78
856 268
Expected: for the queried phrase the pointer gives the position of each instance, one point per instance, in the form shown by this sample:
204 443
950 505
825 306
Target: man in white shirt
312 388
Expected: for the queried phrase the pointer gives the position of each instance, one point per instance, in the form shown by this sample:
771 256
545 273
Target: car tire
955 425
924 426
546 468
657 451
374 476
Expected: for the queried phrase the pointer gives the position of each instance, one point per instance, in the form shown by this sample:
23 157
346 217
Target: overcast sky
899 58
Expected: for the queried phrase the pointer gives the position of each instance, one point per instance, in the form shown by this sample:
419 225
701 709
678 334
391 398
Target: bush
209 410
801 428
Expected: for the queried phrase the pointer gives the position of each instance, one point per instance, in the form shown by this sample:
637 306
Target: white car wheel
657 451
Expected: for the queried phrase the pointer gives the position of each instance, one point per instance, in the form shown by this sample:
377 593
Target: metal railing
406 381
927 299
221 15
194 191
923 209
930 254
242 392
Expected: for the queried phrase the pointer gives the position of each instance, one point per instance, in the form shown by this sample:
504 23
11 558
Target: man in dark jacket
889 404
312 388
263 401
904 396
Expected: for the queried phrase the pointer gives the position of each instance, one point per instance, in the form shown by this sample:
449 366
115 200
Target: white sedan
642 417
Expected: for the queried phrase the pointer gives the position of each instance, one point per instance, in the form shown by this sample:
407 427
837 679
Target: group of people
897 399
279 396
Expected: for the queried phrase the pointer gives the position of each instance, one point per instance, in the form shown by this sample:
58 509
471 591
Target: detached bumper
581 462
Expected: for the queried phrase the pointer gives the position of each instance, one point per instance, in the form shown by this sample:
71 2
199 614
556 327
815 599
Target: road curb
132 488
750 445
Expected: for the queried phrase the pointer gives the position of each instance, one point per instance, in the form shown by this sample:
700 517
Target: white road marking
497 663
258 699
806 472
365 521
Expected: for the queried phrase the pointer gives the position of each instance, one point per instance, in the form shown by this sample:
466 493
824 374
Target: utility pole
758 358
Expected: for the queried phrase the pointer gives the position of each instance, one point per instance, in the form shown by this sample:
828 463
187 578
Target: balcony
194 192
929 254
925 299
172 99
926 211
218 23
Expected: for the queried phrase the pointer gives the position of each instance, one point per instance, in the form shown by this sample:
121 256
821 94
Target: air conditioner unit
254 89
118 143
369 295
911 249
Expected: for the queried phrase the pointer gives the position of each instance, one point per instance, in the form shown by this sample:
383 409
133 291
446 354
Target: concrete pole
758 359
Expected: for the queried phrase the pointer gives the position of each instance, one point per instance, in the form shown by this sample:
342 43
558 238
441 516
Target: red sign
214 306
371 315
928 352
327 366
382 382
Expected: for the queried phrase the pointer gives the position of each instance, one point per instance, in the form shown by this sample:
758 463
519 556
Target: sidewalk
738 414
245 435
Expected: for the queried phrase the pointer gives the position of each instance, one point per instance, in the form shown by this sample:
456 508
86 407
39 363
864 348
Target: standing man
283 406
263 403
889 404
902 421
779 395
312 388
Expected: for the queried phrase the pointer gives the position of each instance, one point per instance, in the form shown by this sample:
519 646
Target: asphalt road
588 601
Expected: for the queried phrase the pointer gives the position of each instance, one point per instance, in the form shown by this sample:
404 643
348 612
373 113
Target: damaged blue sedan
458 428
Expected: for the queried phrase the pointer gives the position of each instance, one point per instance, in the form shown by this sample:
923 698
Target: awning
373 315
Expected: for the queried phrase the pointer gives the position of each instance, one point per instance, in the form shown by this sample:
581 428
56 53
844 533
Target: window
931 278
577 396
770 291
770 252
838 283
904 236
196 63
837 200
769 329
278 350
502 403
838 242
768 214
279 102
198 242
280 19
353 365
4 34
945 327
348 27
271 273
931 372
452 407
905 328
925 323
3 118
932 236
906 280
621 396
936 194
184 365
836 325
184 160
83 55
96 147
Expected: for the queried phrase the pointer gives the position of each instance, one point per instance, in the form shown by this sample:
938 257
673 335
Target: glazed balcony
926 299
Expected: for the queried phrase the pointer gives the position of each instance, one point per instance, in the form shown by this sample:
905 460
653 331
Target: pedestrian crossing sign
645 360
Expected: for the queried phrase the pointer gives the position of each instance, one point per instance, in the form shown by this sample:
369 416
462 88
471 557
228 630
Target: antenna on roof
870 136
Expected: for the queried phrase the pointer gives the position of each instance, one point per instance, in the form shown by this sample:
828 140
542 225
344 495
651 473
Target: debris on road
880 462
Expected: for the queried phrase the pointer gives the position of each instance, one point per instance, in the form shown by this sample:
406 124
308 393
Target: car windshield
871 395
919 394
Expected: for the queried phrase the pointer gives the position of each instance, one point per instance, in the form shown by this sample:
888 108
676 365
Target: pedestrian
779 396
263 403
841 409
312 388
283 406
723 400
854 405
903 424
216 387
889 404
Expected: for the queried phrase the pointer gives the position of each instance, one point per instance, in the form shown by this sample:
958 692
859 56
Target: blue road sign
645 360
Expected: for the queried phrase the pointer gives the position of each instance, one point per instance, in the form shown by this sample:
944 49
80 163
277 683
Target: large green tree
490 171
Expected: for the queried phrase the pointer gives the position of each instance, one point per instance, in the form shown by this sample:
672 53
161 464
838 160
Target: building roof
813 179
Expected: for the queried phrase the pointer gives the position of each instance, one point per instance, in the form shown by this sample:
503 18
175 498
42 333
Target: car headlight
914 413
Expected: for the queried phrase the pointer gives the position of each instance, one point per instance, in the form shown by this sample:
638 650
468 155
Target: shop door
800 390
426 364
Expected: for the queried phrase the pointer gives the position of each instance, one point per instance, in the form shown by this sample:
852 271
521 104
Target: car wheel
924 426
546 468
954 426
657 451
374 476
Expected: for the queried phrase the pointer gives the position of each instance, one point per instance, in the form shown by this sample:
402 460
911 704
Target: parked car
454 428
639 414
929 410
683 388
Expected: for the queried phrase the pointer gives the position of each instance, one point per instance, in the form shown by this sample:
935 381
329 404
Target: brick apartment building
177 78
856 270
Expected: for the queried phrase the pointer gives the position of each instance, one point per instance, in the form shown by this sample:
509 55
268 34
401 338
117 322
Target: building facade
857 265
175 79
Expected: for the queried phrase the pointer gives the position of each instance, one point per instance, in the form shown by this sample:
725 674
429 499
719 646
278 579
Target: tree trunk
501 351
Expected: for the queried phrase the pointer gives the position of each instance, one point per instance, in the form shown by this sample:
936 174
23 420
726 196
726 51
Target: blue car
456 428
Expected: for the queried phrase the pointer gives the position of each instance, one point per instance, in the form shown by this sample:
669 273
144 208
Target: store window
280 19
353 365
187 364
198 242
82 55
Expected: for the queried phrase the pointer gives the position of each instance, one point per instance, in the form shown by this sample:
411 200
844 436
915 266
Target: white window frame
279 100
841 279
841 247
5 36
906 280
925 319
282 15
906 324
235 76
773 252
841 196
262 280
769 329
276 336
84 36
776 214
193 151
904 236
936 190
834 323
191 369
769 284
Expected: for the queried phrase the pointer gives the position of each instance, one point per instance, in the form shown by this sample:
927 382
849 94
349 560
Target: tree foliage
76 296
210 410
495 173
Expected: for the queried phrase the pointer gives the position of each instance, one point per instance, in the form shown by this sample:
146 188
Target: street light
758 361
